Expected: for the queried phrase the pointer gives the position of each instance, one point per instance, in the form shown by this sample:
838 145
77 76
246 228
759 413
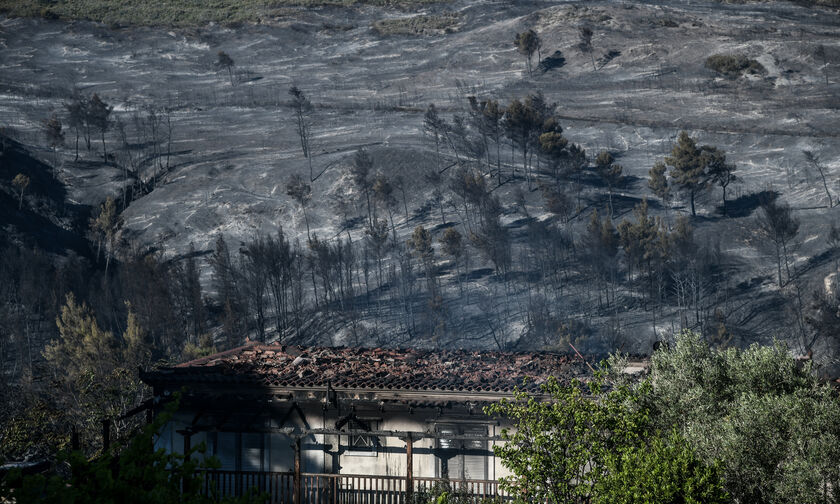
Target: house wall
241 450
390 457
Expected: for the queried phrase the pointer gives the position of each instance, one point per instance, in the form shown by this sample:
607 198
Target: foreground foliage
585 442
707 425
666 470
773 426
137 474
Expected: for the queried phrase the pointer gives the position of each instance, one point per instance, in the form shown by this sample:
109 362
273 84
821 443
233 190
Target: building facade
380 414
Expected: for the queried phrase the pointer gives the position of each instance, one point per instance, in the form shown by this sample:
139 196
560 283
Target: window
239 451
362 444
460 459
252 449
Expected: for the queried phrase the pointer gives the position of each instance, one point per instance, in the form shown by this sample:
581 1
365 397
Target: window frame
461 429
352 449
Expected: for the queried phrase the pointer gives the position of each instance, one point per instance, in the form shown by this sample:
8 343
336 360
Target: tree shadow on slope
556 60
45 215
14 159
745 205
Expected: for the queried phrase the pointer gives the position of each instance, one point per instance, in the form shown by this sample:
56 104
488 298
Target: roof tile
374 368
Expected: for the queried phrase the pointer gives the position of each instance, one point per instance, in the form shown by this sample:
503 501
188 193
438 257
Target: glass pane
456 468
475 464
447 444
475 467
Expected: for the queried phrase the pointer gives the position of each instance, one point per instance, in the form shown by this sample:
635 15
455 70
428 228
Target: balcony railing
345 488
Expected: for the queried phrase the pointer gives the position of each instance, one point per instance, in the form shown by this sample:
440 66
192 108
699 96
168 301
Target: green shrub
416 25
772 425
733 66
446 493
561 441
665 471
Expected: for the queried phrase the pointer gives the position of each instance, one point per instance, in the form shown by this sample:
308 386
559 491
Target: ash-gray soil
234 145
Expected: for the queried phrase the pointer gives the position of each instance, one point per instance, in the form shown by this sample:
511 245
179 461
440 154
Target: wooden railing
279 485
344 488
352 489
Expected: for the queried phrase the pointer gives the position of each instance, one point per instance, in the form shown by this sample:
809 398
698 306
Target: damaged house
348 424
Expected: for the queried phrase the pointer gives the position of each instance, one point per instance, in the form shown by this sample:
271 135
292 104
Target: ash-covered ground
235 141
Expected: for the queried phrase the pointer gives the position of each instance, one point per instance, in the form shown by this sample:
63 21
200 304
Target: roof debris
376 368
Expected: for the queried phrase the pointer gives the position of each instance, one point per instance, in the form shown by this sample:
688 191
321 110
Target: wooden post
297 479
409 470
106 434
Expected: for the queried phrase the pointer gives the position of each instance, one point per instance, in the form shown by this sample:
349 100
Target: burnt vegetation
507 227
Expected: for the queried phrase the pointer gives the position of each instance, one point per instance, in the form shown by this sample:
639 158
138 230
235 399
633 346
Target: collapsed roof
375 369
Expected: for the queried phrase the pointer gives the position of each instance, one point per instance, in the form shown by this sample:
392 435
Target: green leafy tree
553 145
564 436
639 238
658 182
663 471
766 418
421 244
527 43
94 371
688 169
38 429
523 122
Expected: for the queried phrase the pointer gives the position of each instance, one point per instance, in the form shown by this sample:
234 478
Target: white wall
274 452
